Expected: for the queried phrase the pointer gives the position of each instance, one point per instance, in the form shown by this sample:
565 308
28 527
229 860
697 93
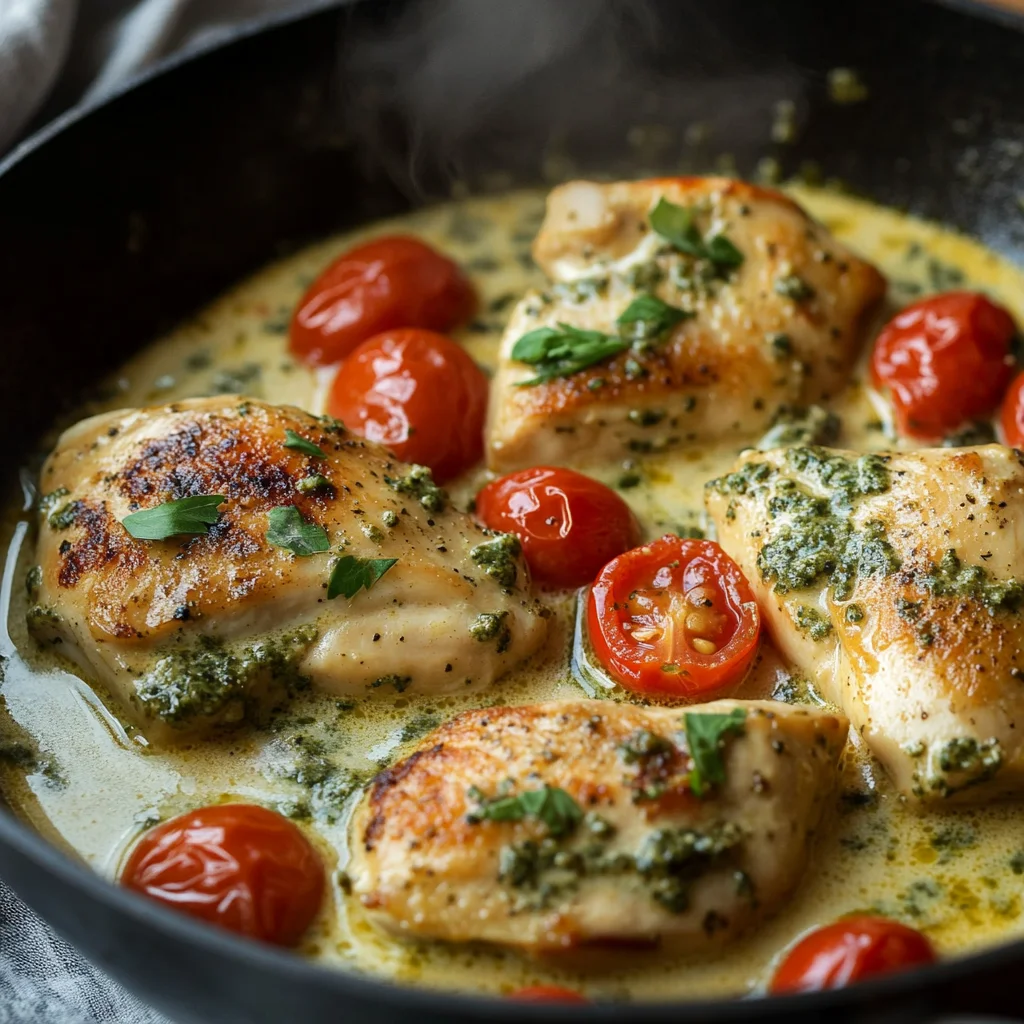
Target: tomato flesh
850 950
396 281
569 524
418 393
1012 416
238 866
944 360
675 617
547 994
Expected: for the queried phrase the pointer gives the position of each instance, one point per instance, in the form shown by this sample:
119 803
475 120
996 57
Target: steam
453 89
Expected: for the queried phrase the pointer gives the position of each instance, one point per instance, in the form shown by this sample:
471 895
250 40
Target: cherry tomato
1012 417
569 524
674 617
242 867
547 994
851 949
390 282
419 394
945 360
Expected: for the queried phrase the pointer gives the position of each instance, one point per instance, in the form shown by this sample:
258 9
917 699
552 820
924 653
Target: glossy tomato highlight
944 361
418 393
396 281
851 950
238 866
569 524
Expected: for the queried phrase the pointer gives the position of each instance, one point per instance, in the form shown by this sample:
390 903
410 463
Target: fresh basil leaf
287 529
550 804
705 734
722 252
676 225
565 351
351 574
298 443
647 318
175 518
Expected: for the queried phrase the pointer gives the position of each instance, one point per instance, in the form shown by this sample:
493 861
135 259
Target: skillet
118 221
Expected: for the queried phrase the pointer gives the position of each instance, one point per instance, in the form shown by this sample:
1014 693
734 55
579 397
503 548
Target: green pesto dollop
498 558
419 483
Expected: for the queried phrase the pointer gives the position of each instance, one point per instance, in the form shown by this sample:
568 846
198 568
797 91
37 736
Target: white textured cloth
81 49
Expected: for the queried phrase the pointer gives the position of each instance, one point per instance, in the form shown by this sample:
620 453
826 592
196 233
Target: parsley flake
647 318
288 529
676 224
351 574
185 516
705 735
563 351
298 443
549 804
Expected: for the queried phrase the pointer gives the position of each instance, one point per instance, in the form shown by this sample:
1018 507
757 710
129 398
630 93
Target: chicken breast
194 631
895 582
767 313
571 823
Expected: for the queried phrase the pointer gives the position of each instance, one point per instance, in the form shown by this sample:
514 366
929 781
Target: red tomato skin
547 994
569 524
701 563
238 866
945 360
1012 416
850 950
419 394
395 281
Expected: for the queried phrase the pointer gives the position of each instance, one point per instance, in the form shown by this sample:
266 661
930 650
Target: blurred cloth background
54 54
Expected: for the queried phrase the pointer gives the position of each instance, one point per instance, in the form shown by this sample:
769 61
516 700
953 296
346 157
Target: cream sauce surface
95 784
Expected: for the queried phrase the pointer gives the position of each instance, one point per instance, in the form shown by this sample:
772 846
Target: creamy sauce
94 785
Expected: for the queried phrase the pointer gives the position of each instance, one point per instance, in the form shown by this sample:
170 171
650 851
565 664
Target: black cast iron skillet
117 222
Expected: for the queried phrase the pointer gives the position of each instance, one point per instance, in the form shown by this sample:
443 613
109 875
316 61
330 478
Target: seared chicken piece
196 630
557 825
780 330
895 582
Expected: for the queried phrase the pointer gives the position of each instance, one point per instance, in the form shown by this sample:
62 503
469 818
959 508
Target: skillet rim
293 968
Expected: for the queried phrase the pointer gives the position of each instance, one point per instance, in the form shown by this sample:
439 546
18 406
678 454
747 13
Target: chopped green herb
564 351
810 621
419 483
705 736
492 626
351 574
642 745
647 318
549 804
793 286
300 444
185 516
313 482
288 529
795 425
498 558
676 224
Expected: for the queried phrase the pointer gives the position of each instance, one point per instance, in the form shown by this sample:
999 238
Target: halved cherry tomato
242 867
397 281
547 994
674 617
851 949
417 392
1012 417
945 360
569 524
